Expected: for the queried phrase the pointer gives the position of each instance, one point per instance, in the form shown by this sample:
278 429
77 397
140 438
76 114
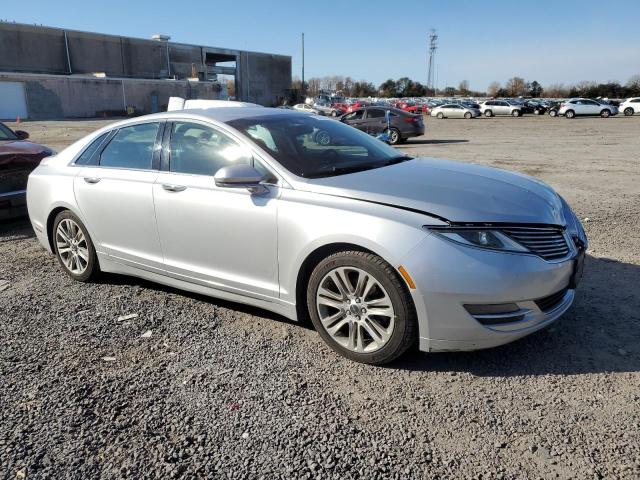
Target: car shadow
410 142
599 334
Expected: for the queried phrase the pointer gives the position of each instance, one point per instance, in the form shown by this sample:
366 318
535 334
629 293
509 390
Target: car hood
454 191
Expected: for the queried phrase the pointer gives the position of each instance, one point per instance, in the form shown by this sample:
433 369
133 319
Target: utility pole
432 47
303 89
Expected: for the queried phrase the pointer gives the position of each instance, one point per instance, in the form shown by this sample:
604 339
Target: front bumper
449 276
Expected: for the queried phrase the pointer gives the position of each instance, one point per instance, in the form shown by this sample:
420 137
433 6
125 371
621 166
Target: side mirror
240 176
21 134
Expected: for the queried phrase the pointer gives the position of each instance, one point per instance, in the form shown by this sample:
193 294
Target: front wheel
516 113
488 113
605 113
440 115
361 308
570 114
628 111
334 113
73 247
467 115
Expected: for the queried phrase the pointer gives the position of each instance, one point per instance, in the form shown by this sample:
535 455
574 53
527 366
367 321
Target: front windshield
6 133
311 147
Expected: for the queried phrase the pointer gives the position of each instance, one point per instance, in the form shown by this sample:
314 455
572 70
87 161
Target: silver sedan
454 110
379 249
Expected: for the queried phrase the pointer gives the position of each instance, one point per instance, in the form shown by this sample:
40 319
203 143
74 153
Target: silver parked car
585 106
454 110
303 107
381 250
491 108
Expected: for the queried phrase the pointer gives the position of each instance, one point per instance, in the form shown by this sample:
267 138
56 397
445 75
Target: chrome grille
546 242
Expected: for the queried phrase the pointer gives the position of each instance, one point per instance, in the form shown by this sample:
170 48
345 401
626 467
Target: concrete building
54 73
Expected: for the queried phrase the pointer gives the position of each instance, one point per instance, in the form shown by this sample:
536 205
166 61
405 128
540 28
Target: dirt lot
224 390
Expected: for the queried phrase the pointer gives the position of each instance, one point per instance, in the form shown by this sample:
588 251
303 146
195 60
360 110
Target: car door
356 119
376 122
114 191
592 107
224 238
503 108
456 111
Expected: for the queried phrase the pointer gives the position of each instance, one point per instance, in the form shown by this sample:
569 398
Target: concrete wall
55 96
26 49
263 78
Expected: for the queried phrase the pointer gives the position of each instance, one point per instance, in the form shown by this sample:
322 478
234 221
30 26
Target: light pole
303 89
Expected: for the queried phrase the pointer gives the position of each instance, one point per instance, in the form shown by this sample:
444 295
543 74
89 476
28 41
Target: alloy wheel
355 309
72 247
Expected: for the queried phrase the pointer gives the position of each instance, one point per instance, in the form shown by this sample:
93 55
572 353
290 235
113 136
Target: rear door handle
173 188
91 179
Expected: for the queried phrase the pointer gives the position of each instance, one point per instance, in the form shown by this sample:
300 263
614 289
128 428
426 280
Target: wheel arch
51 218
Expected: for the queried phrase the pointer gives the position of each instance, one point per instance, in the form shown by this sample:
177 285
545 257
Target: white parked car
303 107
630 106
585 106
500 107
454 110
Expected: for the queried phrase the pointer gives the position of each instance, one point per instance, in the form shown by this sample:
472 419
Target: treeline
514 87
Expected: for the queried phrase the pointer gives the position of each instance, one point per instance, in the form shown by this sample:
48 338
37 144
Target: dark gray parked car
373 120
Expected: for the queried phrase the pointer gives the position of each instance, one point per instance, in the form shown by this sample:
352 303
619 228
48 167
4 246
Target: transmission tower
433 46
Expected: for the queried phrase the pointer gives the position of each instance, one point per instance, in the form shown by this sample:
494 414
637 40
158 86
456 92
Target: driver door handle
173 188
91 180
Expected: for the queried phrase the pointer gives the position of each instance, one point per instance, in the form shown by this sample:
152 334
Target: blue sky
480 40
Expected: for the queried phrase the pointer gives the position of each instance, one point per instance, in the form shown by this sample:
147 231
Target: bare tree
463 87
313 86
556 90
634 82
516 87
493 89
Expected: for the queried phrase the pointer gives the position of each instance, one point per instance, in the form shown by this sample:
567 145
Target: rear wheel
553 113
570 114
334 113
536 112
488 113
361 308
73 247
628 111
440 115
516 113
467 115
605 113
394 136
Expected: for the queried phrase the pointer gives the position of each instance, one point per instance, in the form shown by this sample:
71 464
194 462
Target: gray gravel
194 387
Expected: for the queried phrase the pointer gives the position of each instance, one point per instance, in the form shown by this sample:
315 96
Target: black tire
553 113
467 115
606 113
440 115
628 112
334 113
405 332
516 113
92 269
394 136
488 113
569 114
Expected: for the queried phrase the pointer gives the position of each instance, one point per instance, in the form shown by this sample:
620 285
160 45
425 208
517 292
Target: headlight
482 238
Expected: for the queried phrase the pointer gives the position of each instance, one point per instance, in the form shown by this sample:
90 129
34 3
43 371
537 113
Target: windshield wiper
358 168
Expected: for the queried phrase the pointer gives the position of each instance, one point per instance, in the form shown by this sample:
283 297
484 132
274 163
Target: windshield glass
6 133
311 147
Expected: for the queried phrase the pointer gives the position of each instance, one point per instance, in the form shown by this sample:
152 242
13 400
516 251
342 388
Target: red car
18 158
411 107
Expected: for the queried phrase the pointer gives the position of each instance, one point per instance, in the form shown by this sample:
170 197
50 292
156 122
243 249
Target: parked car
630 106
381 250
553 108
536 108
303 107
18 158
327 109
585 106
453 110
491 108
373 120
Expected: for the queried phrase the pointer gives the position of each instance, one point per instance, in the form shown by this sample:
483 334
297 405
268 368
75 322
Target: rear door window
375 113
131 147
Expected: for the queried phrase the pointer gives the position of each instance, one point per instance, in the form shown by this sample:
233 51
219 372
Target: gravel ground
194 387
